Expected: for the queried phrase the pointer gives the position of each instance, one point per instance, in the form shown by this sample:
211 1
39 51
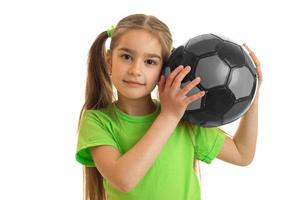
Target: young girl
136 147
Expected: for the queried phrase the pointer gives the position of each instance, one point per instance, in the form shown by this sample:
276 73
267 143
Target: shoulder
102 115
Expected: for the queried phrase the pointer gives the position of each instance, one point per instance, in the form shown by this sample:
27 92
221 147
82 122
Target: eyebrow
134 52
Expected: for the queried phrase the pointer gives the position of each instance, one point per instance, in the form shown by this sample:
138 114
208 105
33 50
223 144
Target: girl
134 147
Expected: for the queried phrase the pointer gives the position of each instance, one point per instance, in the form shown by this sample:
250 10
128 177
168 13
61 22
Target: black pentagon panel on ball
236 111
241 82
181 57
212 71
203 44
232 54
175 58
218 100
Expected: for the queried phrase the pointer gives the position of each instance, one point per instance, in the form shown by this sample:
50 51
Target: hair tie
110 31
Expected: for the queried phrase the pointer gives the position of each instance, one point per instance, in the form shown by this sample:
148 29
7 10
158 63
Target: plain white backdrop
43 53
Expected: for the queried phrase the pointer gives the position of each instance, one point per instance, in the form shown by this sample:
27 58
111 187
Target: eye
151 62
126 57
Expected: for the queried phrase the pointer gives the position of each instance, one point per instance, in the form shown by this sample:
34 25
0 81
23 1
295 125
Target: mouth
133 82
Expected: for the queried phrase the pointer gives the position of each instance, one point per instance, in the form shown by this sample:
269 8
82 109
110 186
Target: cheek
117 75
155 77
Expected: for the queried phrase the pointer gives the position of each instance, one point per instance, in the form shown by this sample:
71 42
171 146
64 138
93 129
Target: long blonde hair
99 89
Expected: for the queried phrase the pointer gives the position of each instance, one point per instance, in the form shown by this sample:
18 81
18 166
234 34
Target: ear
109 60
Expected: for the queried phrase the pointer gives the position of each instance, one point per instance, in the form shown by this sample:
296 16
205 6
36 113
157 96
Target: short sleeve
208 143
92 132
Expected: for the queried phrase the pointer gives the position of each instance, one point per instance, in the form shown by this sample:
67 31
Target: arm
125 171
141 157
240 149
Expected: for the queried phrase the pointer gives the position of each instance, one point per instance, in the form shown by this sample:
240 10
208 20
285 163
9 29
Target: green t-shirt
171 176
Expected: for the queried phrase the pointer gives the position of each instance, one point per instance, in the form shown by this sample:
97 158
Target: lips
133 82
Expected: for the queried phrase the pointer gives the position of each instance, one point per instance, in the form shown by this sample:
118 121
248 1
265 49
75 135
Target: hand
173 99
257 64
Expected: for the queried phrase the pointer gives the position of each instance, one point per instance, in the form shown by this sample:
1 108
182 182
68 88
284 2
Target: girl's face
135 64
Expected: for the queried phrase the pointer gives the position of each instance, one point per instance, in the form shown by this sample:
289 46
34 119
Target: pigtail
98 94
98 91
99 87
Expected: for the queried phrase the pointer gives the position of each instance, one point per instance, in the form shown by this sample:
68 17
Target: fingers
171 86
175 78
255 60
172 76
190 86
248 49
253 56
180 76
194 97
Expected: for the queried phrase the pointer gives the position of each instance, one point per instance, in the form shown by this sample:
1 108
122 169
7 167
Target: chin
131 94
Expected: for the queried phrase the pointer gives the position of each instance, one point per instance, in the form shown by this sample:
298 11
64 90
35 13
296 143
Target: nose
135 68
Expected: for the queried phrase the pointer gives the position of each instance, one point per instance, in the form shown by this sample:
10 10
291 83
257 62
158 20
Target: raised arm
240 149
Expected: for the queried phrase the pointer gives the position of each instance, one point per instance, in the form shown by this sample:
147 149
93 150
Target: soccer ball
228 76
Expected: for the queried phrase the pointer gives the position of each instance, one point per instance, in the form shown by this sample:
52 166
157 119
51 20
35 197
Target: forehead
140 41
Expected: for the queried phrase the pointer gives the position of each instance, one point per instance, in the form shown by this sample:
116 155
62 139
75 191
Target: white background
43 53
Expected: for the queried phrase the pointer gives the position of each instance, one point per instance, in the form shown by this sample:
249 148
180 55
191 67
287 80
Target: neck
142 106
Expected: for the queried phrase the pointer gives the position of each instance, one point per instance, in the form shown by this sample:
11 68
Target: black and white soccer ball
228 75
